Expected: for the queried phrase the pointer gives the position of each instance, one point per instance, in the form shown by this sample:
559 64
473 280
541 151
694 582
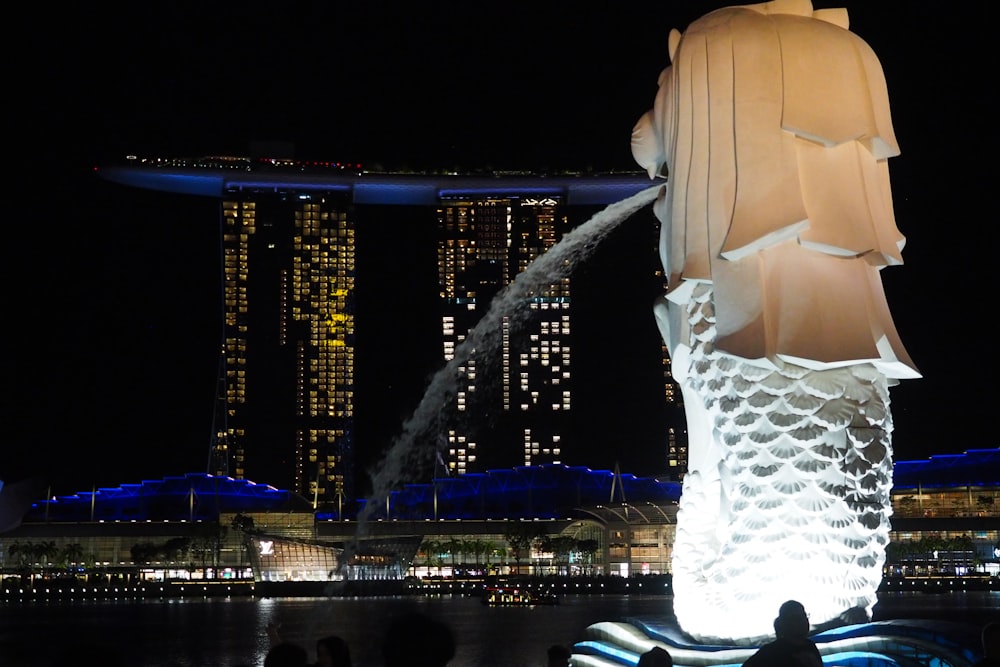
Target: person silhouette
332 651
655 657
991 646
414 639
558 656
286 654
791 646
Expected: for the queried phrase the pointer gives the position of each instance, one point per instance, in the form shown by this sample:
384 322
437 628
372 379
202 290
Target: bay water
232 632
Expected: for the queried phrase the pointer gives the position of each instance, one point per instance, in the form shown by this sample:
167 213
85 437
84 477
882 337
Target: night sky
111 317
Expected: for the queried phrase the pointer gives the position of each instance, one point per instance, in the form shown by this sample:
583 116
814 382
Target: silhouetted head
286 654
558 655
414 639
332 651
655 657
792 621
85 652
991 640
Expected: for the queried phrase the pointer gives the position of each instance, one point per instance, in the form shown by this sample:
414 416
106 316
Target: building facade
288 348
525 383
569 520
286 398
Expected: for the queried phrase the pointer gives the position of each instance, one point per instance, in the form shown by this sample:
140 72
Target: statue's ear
672 42
836 15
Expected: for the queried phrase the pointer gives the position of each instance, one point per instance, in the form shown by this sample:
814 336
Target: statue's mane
773 124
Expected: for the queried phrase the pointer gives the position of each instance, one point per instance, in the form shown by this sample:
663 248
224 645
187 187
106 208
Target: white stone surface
772 127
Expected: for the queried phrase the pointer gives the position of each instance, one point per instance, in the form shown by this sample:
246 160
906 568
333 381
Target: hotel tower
286 381
525 388
285 404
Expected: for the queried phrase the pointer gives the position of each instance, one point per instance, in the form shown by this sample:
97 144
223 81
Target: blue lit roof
544 492
528 492
547 491
381 188
194 496
976 467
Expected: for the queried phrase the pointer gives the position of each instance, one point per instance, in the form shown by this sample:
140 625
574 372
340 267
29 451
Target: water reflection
217 632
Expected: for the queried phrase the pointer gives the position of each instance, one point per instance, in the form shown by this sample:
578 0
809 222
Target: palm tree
46 552
20 554
14 552
495 551
468 548
71 554
454 547
43 554
422 557
432 553
480 547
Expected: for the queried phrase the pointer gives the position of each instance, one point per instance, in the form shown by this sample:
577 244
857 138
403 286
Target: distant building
207 527
286 400
946 522
287 375
526 385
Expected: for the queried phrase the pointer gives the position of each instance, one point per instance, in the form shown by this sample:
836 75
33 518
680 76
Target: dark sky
107 290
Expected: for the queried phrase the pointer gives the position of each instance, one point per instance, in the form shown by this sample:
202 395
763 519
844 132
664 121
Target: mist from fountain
416 445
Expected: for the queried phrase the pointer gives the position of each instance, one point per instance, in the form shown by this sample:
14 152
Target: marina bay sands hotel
286 400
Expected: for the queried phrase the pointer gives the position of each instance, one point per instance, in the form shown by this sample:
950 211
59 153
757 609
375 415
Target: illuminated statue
772 127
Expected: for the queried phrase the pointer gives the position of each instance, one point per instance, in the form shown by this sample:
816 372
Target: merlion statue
772 128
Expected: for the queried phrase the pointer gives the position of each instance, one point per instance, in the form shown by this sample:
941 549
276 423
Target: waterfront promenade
68 589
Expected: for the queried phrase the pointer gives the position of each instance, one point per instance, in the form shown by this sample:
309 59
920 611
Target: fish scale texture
790 498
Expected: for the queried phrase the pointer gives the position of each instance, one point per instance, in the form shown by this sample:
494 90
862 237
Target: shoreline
55 590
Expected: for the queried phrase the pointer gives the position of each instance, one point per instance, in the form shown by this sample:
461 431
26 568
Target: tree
588 549
207 541
70 554
16 552
453 546
520 536
480 548
243 523
44 552
432 553
176 548
468 548
562 546
143 552
21 555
